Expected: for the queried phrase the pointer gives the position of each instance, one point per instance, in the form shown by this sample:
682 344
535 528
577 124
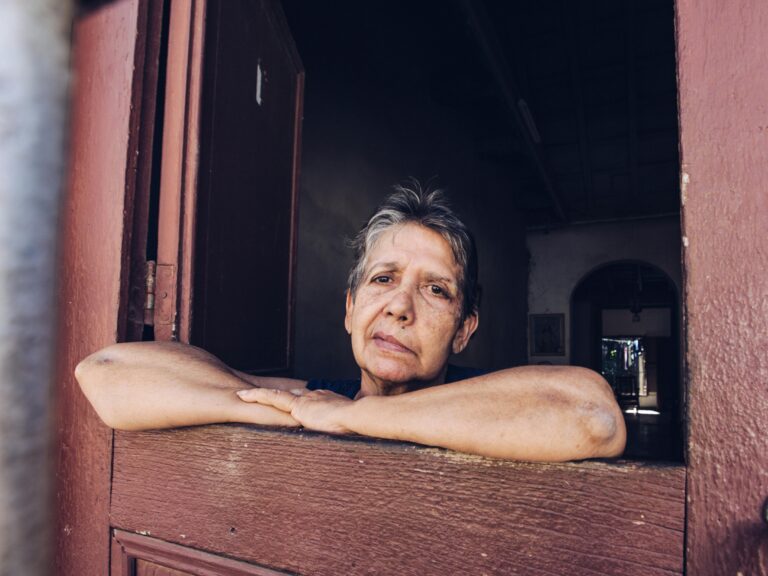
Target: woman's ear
349 306
464 333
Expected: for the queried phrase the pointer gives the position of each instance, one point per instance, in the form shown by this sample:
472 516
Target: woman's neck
370 385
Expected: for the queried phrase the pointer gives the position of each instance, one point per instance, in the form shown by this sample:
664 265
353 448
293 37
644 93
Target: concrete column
34 77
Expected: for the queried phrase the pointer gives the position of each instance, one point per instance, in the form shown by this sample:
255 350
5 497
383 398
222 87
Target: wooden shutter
228 196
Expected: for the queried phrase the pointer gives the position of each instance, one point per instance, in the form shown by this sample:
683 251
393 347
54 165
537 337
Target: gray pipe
34 61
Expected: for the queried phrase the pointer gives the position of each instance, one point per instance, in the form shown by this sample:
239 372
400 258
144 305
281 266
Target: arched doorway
625 324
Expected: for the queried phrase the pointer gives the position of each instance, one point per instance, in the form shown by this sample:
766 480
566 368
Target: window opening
549 123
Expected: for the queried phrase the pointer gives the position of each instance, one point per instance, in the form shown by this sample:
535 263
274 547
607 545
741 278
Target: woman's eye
381 279
437 290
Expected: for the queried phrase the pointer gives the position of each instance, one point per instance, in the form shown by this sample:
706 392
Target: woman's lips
386 342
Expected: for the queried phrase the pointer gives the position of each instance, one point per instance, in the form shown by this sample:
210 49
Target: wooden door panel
227 214
316 504
250 115
139 555
147 568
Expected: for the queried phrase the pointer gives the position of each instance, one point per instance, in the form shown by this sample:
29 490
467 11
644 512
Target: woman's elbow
92 370
606 431
92 374
602 419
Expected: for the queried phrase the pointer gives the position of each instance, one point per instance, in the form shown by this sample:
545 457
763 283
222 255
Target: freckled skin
409 292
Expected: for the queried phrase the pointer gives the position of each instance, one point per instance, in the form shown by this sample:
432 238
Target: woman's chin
394 372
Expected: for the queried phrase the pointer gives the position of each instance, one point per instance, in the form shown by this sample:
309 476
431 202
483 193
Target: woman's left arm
534 413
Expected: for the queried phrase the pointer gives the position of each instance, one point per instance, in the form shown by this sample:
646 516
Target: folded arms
536 413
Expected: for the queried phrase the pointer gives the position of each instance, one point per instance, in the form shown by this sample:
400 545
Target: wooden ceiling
573 100
590 90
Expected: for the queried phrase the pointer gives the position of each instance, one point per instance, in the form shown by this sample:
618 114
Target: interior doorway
625 324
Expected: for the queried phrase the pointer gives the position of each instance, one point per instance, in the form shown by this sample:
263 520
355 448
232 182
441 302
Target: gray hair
427 208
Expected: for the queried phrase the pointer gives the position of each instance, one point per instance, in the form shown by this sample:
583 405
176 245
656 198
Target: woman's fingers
280 399
320 410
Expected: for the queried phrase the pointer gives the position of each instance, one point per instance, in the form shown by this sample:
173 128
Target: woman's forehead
411 243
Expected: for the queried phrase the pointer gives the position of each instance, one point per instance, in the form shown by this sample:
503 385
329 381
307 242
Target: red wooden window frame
723 526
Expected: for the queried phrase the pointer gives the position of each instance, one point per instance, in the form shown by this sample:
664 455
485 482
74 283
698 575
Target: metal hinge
149 292
160 298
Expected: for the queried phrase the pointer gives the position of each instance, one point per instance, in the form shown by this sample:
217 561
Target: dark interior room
552 126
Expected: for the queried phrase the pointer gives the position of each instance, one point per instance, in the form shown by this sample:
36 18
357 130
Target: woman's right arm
146 385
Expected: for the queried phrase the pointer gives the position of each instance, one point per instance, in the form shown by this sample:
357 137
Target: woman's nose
400 305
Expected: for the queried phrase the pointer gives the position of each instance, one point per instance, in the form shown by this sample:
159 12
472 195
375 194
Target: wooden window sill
313 503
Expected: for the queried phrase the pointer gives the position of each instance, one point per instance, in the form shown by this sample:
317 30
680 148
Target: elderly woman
411 302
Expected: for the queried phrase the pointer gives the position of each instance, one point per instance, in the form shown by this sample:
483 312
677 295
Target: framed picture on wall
546 334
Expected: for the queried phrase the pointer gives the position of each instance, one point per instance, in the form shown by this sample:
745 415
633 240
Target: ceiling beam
572 15
634 173
485 35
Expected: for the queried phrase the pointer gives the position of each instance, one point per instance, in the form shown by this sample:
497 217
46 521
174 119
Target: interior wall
561 258
364 130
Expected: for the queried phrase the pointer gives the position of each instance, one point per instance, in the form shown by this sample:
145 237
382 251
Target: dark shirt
350 388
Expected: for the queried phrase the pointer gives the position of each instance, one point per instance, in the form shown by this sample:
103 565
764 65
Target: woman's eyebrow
383 266
432 277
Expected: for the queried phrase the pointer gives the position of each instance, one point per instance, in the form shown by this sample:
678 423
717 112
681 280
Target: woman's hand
320 410
534 413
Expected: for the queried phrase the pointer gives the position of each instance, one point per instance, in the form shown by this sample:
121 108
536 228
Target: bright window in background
623 366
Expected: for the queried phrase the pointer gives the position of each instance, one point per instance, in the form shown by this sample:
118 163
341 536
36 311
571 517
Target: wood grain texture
316 504
93 276
723 82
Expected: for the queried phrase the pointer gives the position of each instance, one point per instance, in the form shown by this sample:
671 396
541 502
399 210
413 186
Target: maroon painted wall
723 91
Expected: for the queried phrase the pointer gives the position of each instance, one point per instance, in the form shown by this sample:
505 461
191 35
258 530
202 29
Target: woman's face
405 319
